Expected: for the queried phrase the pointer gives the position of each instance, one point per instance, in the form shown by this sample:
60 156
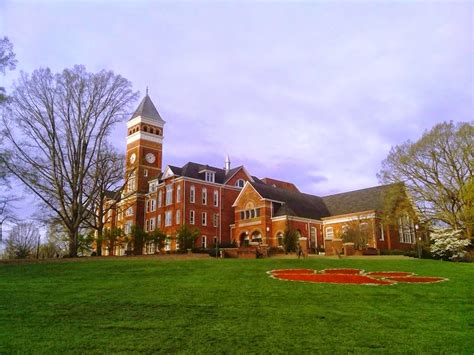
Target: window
152 224
145 172
178 193
364 229
131 183
329 232
210 176
147 225
204 196
192 215
152 205
178 217
153 187
312 237
345 229
215 220
204 219
160 198
204 242
240 183
251 213
280 238
216 198
192 194
406 230
168 218
129 212
158 221
215 240
169 195
128 227
167 243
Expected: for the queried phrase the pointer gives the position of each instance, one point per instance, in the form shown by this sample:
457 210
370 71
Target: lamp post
418 240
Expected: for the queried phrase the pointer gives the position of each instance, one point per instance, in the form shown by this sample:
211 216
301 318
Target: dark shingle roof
357 201
147 109
113 195
295 203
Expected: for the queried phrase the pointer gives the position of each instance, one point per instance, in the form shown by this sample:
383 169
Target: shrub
449 244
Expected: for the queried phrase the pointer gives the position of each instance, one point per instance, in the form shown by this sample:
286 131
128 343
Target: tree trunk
73 244
98 244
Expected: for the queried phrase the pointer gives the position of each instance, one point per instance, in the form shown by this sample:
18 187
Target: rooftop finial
147 90
227 164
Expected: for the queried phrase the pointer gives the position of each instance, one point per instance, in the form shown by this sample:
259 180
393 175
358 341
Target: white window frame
210 176
152 224
178 193
203 242
204 196
129 212
192 194
169 195
215 220
168 218
240 183
178 217
192 217
329 233
204 219
216 198
153 205
160 198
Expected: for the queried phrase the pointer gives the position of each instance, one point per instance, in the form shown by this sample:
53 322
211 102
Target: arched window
160 198
240 183
192 194
145 128
204 242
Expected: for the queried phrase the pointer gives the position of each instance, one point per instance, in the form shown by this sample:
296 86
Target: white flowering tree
448 244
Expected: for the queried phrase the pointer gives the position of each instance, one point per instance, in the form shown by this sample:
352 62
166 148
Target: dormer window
210 176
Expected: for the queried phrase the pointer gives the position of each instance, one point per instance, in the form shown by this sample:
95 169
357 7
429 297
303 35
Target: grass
232 306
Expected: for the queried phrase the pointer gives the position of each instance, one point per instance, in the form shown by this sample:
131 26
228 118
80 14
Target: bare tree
23 240
435 171
7 61
6 210
109 183
56 129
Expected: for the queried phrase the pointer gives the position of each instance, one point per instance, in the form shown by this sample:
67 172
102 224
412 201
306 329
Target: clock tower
144 159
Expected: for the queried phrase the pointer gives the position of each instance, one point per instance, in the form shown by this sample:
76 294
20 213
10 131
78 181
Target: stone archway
256 236
244 239
279 238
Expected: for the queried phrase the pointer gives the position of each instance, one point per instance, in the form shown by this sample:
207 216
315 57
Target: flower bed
351 276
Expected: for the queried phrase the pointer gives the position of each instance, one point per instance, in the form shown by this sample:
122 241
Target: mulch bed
351 276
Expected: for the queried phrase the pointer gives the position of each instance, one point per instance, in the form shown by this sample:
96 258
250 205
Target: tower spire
147 90
227 164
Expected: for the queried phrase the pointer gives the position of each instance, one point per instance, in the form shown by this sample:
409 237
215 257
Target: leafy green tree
139 238
158 237
290 240
435 171
186 236
85 243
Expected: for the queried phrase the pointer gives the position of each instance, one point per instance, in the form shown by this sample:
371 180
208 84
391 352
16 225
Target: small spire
227 164
147 90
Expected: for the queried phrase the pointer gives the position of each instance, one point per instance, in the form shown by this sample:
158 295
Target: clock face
150 158
133 157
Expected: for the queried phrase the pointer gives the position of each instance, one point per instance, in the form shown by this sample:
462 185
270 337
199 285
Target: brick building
229 205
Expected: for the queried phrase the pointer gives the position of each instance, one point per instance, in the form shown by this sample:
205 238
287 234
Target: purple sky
311 92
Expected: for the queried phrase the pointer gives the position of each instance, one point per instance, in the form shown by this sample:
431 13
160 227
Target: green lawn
217 306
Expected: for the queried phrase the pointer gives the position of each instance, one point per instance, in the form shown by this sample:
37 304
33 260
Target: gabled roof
234 171
357 201
147 109
113 195
295 203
